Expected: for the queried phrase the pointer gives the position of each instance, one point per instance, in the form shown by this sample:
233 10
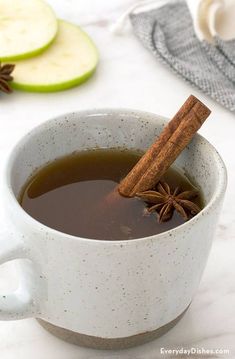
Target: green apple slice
69 61
27 27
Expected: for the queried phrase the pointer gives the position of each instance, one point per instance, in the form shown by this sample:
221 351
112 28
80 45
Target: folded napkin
169 32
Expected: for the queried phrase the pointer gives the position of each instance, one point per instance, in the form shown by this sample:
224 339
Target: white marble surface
128 76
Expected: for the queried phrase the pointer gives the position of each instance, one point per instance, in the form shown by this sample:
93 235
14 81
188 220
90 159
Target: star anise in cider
6 77
165 201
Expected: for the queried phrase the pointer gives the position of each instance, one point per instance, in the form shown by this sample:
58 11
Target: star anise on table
164 200
6 77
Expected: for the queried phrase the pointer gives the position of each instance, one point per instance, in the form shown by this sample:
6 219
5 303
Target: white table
128 76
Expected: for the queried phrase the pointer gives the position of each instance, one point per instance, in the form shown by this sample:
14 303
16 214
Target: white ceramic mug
99 293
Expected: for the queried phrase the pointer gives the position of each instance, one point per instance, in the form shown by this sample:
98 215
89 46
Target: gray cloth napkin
169 34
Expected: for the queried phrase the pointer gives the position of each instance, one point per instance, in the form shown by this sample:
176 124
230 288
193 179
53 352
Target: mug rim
31 221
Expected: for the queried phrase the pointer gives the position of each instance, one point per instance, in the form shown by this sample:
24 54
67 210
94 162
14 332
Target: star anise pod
5 77
165 201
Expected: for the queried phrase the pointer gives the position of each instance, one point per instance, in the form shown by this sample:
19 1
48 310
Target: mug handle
23 302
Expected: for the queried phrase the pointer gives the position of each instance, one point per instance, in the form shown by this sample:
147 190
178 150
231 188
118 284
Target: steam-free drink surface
70 195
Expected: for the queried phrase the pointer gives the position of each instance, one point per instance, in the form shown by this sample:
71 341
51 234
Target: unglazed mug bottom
93 342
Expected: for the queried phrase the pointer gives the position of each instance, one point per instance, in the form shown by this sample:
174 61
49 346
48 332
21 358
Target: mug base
108 343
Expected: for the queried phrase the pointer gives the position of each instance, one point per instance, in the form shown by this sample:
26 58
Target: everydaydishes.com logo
194 351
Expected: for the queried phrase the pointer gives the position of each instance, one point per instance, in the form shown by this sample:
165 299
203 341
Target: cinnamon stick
164 151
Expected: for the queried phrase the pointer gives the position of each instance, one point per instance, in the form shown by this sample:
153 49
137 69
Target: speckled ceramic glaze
104 290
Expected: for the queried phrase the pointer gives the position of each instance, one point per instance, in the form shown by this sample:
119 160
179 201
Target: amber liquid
69 195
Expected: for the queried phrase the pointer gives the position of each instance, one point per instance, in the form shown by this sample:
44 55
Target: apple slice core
69 61
27 27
